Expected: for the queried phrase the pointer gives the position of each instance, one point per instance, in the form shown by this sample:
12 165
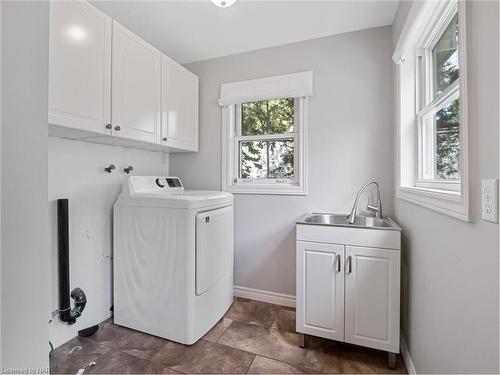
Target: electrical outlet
490 200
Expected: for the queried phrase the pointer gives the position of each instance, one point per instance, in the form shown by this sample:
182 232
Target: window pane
266 159
274 116
448 142
445 58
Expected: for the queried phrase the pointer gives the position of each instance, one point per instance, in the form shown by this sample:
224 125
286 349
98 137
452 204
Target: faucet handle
376 209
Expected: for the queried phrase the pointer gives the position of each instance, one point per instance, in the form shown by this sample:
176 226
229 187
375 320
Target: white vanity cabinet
179 123
79 68
136 82
348 284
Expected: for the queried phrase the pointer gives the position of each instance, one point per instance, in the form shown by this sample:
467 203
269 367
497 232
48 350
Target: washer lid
154 191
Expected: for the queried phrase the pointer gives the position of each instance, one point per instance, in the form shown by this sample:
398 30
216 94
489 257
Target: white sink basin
341 221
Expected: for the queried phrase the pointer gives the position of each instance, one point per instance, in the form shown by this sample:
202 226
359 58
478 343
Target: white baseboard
265 296
406 356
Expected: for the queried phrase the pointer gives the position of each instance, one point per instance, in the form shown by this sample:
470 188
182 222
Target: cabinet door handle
165 139
108 126
338 263
117 128
349 264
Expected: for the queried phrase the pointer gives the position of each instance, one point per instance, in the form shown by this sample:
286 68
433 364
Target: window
265 140
439 112
432 108
264 136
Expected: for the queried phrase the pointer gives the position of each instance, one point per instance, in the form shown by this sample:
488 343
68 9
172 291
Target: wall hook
128 169
110 168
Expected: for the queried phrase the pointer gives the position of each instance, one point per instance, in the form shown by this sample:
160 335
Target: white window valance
284 86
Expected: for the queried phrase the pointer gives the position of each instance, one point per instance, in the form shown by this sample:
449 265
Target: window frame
423 24
231 153
265 137
428 105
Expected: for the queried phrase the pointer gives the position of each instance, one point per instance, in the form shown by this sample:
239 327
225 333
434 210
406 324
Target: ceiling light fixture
223 3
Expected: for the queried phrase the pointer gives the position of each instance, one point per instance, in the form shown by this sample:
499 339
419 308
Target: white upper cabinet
136 82
107 85
180 106
80 67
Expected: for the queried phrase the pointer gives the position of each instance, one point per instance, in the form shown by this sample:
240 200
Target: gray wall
350 142
450 268
76 171
24 232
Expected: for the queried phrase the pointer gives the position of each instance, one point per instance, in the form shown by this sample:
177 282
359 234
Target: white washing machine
173 258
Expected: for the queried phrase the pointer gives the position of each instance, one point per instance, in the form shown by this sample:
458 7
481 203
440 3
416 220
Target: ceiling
191 31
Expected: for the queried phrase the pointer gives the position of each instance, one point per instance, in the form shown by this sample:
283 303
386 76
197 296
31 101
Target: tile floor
253 338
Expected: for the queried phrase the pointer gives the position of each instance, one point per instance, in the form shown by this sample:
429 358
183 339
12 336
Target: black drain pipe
66 313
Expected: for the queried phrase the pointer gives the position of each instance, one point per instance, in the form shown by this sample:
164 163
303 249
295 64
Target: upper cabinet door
136 80
180 106
320 289
372 297
80 66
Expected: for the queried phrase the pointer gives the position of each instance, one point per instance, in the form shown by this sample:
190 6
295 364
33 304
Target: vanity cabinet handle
349 264
338 263
108 126
117 128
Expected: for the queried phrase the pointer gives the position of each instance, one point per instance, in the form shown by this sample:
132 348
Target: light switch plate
490 200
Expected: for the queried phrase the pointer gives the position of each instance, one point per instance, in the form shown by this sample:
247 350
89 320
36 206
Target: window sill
447 202
440 186
435 191
266 190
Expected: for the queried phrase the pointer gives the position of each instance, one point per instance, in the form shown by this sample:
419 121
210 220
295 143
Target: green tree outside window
273 158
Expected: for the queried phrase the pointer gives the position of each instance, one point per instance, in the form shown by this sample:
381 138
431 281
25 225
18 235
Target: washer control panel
154 184
168 182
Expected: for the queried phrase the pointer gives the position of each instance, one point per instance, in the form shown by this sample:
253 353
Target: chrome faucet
377 209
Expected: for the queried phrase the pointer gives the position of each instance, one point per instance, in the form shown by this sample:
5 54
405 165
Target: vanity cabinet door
136 82
372 297
320 290
79 67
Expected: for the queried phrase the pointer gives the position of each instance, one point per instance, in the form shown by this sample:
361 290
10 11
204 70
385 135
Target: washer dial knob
160 183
